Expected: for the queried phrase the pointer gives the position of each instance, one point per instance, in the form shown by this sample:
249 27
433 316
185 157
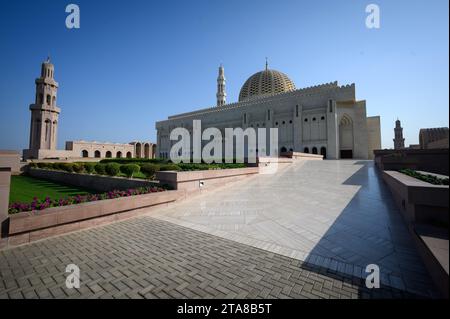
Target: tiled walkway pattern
149 258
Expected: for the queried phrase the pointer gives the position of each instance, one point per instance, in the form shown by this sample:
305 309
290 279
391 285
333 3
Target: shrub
112 169
33 165
129 169
149 170
59 166
100 168
170 167
133 160
78 167
89 167
42 165
68 167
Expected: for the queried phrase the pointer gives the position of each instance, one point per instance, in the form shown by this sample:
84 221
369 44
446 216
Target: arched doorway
283 149
323 151
138 150
97 154
314 150
108 154
128 154
84 153
119 154
147 150
306 150
346 137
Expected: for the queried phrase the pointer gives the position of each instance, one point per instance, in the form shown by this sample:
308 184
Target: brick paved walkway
149 258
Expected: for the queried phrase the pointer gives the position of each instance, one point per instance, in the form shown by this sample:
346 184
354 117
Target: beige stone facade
325 119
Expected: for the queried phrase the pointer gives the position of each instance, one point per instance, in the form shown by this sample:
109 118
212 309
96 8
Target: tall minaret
399 141
44 112
221 95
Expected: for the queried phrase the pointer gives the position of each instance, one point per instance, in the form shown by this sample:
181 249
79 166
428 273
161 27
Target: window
97 154
322 118
330 102
314 150
84 153
306 120
49 98
276 123
314 118
306 150
268 115
296 111
290 122
284 122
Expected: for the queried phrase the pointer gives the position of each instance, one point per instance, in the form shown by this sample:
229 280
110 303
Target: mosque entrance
346 137
346 153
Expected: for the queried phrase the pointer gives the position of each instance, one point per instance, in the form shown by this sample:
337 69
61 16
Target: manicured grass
425 177
25 188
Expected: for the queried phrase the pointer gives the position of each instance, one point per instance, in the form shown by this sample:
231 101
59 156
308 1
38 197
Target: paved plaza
306 232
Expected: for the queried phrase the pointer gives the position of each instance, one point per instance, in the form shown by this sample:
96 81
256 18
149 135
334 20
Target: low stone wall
9 163
433 160
97 183
197 180
30 226
305 156
419 202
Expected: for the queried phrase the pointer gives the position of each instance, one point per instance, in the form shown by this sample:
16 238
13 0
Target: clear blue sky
135 62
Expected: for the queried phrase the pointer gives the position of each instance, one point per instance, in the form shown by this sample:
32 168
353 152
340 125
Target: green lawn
25 188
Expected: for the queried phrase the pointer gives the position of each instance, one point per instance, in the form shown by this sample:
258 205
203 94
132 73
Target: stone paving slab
333 214
149 258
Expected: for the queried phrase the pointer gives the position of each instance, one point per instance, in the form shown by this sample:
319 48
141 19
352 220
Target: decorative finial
267 64
48 59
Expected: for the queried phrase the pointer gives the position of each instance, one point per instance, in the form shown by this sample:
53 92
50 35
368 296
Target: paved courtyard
306 232
334 214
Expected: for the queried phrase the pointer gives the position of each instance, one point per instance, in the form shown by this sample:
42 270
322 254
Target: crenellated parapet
316 91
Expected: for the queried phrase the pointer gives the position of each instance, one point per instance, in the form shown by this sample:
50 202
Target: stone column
332 131
298 129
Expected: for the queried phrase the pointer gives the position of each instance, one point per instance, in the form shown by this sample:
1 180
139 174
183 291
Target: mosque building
325 119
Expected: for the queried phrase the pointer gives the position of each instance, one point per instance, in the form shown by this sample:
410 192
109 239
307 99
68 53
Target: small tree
68 167
78 167
112 169
129 169
89 167
100 169
149 170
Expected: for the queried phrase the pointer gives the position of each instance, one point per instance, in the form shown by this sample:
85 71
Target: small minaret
44 112
399 141
221 95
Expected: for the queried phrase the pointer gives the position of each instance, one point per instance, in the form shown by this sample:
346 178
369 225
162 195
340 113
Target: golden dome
267 82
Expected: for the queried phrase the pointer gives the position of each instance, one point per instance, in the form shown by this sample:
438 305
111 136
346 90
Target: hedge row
111 169
134 160
432 179
114 168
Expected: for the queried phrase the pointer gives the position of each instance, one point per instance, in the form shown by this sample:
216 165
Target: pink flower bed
37 204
